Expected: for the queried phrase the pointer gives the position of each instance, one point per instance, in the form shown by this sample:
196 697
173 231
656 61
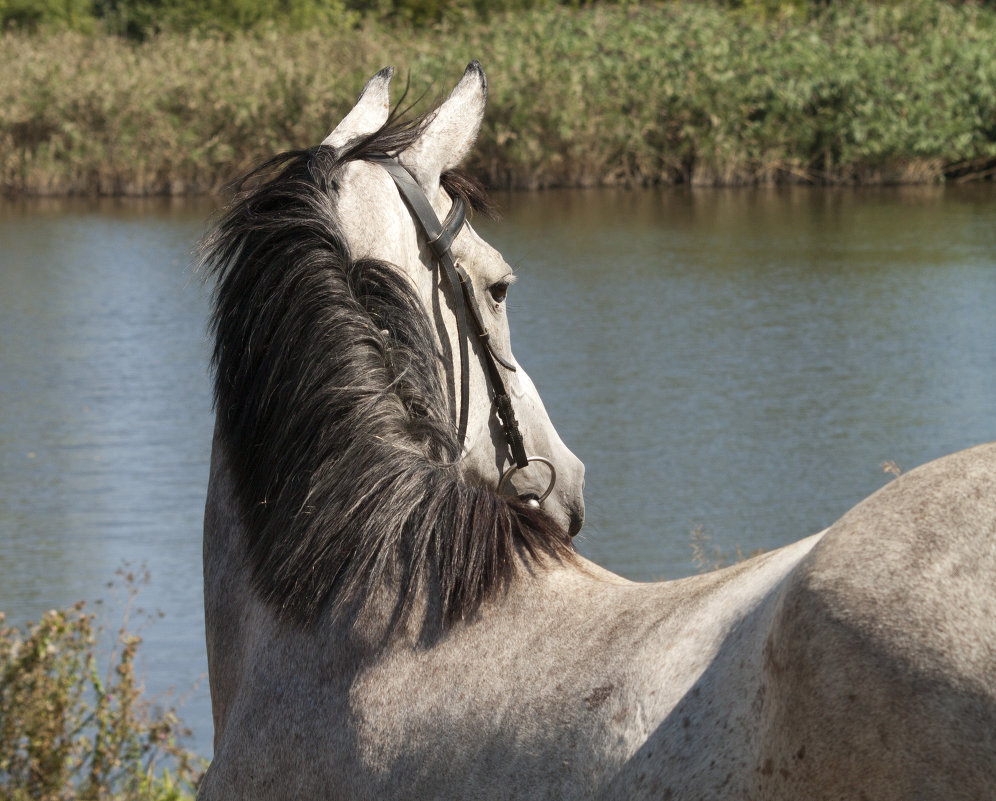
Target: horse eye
498 291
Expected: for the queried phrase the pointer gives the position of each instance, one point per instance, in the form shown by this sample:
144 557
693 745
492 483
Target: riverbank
656 94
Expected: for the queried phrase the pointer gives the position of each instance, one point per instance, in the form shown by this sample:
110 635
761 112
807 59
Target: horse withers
394 608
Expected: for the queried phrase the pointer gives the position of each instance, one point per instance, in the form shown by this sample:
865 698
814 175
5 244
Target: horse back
880 666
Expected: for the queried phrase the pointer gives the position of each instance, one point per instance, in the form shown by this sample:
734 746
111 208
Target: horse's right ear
449 132
369 113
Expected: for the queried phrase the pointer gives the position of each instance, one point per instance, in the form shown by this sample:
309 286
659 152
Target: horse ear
369 113
450 131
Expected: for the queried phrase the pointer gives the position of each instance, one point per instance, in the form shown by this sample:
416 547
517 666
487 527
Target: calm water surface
739 362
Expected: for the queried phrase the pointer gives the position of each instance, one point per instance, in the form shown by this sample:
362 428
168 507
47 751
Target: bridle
439 237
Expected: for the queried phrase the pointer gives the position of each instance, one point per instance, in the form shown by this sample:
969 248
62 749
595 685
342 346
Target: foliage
608 94
693 93
67 732
140 18
33 14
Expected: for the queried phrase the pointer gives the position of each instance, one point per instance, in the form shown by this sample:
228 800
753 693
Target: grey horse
394 608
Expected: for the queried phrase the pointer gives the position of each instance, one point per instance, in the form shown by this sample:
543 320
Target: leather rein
439 237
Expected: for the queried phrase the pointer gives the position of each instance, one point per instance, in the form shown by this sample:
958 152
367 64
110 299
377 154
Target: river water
736 363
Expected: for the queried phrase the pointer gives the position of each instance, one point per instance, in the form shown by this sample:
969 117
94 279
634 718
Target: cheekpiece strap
440 239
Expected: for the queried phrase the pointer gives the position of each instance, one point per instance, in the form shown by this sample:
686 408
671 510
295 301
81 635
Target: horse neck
562 596
228 584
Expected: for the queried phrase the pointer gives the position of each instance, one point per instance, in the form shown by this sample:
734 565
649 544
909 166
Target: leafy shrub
138 19
66 732
34 14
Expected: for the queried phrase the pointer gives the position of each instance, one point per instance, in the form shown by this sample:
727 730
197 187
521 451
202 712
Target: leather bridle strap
440 238
437 236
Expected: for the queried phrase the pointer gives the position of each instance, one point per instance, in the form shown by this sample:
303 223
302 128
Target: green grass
636 95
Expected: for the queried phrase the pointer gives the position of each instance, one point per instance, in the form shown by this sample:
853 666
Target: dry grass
708 556
903 92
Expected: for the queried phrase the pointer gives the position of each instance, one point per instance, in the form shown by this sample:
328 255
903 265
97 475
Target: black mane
333 413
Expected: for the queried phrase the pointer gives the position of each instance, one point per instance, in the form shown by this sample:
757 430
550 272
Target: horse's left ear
450 131
369 113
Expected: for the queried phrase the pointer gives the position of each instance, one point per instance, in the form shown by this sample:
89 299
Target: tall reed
636 94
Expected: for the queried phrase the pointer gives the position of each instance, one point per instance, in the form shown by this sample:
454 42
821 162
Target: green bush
69 732
138 19
694 93
34 14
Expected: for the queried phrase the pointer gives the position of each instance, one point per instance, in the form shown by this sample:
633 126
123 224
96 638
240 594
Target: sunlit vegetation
633 94
75 723
708 556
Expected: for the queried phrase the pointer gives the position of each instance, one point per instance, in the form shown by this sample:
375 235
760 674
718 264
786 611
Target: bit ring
514 468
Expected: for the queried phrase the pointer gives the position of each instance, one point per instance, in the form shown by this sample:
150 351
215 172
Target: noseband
468 317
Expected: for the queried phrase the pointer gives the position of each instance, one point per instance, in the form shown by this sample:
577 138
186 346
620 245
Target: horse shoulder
573 684
880 665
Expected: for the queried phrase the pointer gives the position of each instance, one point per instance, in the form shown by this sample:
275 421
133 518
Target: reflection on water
742 361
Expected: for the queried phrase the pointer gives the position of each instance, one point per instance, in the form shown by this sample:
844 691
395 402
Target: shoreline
204 206
927 175
126 187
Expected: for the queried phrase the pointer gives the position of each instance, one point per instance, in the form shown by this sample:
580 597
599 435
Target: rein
440 238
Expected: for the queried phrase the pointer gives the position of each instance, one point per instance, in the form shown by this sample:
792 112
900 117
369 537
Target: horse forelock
333 413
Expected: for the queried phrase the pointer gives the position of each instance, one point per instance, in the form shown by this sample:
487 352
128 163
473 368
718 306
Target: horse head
378 224
376 423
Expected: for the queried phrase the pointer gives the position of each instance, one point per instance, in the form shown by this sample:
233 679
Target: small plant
891 467
708 557
67 732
